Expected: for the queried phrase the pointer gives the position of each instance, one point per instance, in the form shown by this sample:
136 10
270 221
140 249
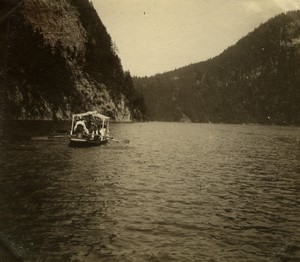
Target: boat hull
82 142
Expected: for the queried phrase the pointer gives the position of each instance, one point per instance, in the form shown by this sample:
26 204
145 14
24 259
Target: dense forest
57 58
257 80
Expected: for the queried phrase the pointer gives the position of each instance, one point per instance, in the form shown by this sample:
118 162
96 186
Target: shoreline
146 121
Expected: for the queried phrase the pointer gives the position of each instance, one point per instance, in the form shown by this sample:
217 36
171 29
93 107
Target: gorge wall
57 58
257 80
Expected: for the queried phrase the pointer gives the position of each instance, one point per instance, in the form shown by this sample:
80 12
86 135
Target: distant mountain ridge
257 80
57 58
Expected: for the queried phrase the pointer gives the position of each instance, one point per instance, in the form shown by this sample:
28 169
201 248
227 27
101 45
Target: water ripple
223 193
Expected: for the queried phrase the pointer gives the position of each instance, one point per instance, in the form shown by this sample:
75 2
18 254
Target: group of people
90 128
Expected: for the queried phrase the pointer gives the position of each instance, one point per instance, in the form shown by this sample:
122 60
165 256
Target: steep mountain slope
57 58
257 80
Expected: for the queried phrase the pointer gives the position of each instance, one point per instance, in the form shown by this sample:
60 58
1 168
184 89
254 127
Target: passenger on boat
103 132
81 123
94 130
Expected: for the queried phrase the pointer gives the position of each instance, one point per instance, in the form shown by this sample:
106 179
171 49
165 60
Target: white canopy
93 113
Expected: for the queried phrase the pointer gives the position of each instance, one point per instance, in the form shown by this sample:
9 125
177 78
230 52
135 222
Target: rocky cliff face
57 58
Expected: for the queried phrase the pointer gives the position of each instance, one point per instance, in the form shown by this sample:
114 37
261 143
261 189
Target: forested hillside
255 81
57 58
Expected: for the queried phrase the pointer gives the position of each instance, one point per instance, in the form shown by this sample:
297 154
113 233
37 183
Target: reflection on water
175 192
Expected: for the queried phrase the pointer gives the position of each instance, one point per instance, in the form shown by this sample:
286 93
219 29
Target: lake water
165 192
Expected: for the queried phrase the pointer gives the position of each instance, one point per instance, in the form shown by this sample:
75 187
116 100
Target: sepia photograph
149 130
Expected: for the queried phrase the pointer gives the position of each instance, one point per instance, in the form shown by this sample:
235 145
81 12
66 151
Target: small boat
89 129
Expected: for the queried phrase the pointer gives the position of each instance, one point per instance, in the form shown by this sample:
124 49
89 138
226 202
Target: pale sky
155 36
